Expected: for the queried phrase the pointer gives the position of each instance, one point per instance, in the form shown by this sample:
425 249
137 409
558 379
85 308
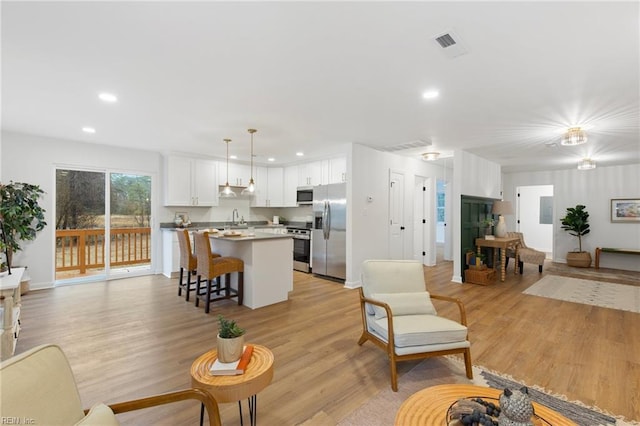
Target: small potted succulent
576 223
230 340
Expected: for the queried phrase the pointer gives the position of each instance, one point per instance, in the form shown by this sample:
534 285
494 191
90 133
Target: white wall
594 189
33 159
368 232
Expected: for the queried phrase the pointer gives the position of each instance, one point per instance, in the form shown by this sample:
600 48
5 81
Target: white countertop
245 236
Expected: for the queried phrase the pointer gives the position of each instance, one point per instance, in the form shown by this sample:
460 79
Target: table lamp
501 208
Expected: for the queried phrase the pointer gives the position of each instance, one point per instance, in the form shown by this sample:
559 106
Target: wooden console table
429 406
503 244
257 376
612 250
10 291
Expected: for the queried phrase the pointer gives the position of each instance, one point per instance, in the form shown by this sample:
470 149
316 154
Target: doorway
534 216
97 236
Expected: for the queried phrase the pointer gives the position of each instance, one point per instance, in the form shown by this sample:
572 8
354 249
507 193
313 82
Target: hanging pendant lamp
250 190
227 192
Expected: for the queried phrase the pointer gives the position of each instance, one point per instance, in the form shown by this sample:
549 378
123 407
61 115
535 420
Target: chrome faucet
234 215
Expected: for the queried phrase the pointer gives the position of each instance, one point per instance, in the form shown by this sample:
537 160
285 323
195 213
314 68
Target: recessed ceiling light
271 159
300 154
108 97
430 94
233 157
88 130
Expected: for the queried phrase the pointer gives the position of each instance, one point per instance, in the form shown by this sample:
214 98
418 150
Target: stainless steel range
301 234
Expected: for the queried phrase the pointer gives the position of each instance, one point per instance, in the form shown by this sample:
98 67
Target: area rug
381 409
588 292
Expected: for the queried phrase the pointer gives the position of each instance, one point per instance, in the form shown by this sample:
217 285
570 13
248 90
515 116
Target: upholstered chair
399 317
212 267
38 387
525 254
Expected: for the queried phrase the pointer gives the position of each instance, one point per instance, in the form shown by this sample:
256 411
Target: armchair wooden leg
521 267
467 363
363 339
394 375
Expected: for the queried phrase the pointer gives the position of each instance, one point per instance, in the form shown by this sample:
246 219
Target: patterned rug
380 410
588 292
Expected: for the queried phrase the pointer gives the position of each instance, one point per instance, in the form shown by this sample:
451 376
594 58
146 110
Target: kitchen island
268 265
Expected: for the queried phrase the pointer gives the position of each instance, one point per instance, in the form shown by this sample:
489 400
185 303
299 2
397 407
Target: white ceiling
314 76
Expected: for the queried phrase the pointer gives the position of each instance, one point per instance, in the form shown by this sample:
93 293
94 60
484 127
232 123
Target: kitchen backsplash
223 212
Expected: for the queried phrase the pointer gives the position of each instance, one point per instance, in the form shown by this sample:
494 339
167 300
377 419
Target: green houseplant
230 340
21 216
576 223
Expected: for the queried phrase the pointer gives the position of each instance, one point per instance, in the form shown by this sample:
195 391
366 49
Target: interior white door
396 215
424 226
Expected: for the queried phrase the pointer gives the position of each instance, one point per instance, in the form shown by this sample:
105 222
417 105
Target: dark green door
473 211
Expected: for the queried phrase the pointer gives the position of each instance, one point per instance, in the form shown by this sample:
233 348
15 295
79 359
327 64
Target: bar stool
211 267
188 263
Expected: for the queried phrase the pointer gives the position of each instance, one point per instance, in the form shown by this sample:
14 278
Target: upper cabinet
337 170
269 187
310 174
239 174
190 182
290 186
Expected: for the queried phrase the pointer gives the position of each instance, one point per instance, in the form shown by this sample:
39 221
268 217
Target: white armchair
398 316
38 387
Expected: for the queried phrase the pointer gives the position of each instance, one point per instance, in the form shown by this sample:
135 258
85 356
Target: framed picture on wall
625 210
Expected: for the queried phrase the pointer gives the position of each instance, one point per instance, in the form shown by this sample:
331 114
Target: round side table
257 376
429 406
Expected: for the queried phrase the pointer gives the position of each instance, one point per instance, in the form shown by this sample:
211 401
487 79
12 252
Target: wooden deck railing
82 249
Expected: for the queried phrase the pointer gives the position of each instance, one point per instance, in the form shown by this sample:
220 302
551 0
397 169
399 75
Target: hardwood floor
134 337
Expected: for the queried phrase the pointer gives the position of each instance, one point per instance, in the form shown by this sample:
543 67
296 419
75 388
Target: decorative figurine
516 408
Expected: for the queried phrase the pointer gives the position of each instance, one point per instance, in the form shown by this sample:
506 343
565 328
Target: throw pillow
404 304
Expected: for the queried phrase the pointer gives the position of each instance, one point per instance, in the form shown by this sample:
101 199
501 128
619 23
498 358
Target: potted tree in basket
576 223
230 340
21 217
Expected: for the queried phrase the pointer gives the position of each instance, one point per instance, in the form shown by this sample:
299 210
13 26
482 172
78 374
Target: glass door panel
130 219
80 224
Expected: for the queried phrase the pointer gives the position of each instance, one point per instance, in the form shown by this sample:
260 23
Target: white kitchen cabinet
190 182
290 186
269 187
310 174
239 174
337 170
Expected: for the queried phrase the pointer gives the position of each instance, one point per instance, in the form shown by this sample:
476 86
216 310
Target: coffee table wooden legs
253 411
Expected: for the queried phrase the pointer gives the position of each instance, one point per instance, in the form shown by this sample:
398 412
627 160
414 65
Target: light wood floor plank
134 337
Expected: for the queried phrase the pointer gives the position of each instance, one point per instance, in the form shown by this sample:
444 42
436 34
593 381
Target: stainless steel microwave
304 195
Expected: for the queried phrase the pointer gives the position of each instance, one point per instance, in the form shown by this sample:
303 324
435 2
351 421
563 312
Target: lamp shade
502 208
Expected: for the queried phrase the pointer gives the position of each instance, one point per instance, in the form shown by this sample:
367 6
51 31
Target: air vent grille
408 145
445 41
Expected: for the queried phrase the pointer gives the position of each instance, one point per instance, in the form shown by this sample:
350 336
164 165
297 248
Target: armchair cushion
420 330
404 304
99 415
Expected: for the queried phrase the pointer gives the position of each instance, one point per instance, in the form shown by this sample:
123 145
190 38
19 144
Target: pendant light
227 192
250 190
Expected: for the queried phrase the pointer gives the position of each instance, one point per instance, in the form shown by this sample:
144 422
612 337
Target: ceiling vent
451 44
420 143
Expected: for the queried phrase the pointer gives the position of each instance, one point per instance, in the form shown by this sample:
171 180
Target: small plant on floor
228 329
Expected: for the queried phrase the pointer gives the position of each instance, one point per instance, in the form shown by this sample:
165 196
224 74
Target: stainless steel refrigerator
329 238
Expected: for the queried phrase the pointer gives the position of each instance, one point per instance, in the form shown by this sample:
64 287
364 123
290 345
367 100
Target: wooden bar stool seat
211 268
188 264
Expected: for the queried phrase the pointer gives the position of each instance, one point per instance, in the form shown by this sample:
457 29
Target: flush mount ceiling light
88 130
573 136
430 94
227 192
586 164
249 190
108 97
300 154
430 156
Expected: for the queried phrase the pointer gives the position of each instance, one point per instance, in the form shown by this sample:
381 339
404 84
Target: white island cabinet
268 265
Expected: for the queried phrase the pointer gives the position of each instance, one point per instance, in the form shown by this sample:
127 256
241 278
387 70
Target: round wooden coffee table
429 406
257 376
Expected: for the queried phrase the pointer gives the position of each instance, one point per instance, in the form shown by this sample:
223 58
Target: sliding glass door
97 236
